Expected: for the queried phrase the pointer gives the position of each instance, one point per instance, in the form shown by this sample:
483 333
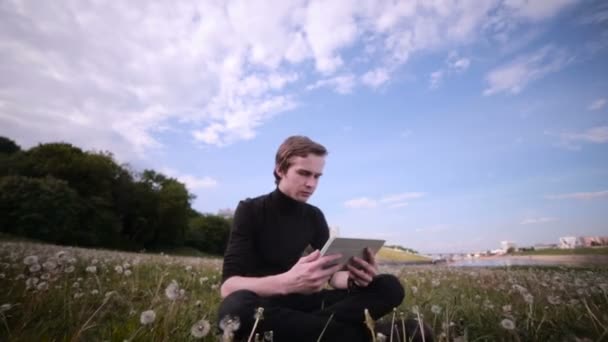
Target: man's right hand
310 273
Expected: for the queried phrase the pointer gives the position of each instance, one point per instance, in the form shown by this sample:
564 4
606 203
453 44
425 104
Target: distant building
540 246
226 213
506 245
592 241
569 242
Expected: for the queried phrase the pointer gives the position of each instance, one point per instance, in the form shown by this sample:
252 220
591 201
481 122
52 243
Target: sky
451 125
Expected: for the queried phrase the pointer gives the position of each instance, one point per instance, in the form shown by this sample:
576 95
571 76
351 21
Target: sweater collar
285 202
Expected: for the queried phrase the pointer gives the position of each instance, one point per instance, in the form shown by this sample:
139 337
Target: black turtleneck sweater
269 234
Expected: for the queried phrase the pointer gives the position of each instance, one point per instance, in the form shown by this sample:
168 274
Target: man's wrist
283 285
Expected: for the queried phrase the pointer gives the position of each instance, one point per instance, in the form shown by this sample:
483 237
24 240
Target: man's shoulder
255 202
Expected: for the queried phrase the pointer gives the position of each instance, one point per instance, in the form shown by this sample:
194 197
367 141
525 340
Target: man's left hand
363 271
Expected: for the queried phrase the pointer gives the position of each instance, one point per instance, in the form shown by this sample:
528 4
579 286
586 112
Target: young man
264 267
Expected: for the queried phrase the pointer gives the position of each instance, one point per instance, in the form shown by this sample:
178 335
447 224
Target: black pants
298 317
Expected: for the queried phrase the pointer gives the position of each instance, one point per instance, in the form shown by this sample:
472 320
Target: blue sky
451 125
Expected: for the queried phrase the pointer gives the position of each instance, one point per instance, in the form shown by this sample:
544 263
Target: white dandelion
91 269
172 291
31 282
507 324
188 268
69 269
554 300
414 289
200 329
528 298
42 286
380 337
118 269
5 307
34 268
49 265
436 309
147 317
202 280
127 273
78 295
30 260
229 325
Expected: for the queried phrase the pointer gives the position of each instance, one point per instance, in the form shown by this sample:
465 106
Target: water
505 261
546 260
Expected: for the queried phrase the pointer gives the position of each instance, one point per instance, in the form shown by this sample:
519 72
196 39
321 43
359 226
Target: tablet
350 247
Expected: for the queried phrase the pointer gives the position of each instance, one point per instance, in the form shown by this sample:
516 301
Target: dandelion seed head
42 286
380 337
147 317
118 269
5 307
230 323
49 265
34 268
172 291
30 260
127 273
436 309
69 269
200 329
91 269
507 324
259 313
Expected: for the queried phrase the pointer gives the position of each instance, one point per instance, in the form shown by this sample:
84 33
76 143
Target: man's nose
311 182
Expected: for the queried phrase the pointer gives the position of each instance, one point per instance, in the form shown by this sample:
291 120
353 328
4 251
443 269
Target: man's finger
359 274
365 265
310 257
371 258
324 260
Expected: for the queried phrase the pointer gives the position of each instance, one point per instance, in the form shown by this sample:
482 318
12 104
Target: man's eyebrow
308 171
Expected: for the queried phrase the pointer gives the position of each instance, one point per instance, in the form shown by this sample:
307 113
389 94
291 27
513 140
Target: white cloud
399 205
597 104
435 79
361 202
390 201
580 195
513 77
343 84
454 64
375 78
536 220
596 135
113 75
537 10
192 182
402 197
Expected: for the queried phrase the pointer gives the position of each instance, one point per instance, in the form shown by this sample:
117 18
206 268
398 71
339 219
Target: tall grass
69 294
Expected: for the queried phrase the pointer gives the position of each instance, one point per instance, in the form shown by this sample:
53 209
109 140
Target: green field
52 293
395 255
574 251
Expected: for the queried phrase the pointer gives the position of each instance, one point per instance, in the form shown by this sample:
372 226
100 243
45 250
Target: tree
46 208
208 233
8 146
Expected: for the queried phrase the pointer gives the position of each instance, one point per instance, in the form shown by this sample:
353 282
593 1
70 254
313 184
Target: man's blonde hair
295 146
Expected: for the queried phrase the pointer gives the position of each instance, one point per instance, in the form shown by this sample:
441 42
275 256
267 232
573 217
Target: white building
506 245
569 242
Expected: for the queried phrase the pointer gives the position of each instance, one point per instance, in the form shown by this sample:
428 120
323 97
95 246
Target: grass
482 304
395 255
574 251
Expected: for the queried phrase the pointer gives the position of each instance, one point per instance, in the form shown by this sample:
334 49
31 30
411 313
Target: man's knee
241 304
389 286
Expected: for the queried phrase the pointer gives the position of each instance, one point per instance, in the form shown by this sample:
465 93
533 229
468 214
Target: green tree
46 208
8 146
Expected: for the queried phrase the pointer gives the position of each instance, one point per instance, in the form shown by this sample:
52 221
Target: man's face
300 180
